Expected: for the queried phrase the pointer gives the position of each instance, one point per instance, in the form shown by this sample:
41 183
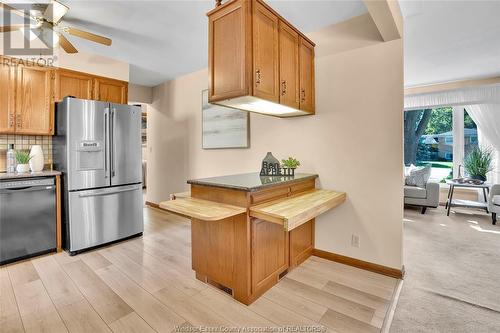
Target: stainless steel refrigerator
97 147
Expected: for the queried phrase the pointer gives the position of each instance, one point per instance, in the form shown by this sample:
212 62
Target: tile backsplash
24 142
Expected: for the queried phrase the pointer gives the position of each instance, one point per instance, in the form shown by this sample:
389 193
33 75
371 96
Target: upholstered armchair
495 202
424 197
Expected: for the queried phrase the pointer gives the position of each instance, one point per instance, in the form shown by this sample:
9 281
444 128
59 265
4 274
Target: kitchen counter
251 181
248 231
44 173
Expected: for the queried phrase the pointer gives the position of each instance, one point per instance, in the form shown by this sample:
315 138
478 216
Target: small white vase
23 168
36 161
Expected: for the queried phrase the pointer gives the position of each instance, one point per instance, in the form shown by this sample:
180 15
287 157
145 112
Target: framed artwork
223 127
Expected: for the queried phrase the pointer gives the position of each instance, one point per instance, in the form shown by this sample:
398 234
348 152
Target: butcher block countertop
251 181
202 209
294 211
44 173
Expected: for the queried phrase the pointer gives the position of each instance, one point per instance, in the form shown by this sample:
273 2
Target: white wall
354 142
140 94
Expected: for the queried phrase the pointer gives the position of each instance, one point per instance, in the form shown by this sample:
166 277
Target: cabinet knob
302 95
257 76
11 120
283 88
19 121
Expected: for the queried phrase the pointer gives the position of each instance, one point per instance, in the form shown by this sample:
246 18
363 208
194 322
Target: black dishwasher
27 218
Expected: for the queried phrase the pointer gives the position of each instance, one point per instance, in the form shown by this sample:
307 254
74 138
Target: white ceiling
445 40
450 40
165 39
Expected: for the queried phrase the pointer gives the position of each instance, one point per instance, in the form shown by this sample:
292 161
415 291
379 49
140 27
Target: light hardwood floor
146 284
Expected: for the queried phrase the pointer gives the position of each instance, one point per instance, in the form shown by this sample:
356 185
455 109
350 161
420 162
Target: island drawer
269 194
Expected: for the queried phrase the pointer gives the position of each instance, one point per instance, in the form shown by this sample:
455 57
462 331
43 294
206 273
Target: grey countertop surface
250 181
44 173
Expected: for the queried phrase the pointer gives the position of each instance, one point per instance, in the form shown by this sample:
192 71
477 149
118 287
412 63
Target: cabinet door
306 77
265 53
301 243
7 91
35 100
289 66
69 83
229 51
109 90
269 253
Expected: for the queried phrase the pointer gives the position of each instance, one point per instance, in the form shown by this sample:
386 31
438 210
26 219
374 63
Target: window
429 140
470 134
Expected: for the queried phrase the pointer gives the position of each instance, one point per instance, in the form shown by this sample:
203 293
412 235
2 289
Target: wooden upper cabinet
109 90
265 53
71 83
28 93
229 51
255 55
306 75
7 107
289 66
34 100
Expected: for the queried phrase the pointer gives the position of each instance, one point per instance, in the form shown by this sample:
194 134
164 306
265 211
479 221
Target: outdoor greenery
479 162
427 122
22 157
290 163
442 121
434 164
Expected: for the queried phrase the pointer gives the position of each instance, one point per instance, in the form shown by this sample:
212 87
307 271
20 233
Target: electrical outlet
355 240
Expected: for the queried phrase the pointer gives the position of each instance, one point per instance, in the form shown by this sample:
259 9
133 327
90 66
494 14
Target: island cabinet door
301 243
269 254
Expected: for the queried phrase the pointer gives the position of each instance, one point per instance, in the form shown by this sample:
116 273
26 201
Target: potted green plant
290 165
22 158
478 163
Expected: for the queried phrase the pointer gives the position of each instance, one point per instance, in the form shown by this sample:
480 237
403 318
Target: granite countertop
44 173
250 181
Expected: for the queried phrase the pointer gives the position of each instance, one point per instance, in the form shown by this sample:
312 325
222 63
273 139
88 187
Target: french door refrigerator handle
112 142
106 112
95 193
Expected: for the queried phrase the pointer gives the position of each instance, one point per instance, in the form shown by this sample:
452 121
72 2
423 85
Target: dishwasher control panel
30 182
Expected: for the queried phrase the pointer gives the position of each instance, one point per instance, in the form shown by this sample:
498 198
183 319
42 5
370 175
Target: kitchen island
248 230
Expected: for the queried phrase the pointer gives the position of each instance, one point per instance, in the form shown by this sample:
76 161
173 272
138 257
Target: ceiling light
257 105
32 35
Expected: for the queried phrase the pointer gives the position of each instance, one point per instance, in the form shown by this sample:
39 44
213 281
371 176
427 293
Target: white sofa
494 202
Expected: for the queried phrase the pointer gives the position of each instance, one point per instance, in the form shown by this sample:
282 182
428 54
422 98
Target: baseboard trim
368 266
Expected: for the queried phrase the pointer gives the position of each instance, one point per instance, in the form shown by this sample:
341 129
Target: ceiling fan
47 19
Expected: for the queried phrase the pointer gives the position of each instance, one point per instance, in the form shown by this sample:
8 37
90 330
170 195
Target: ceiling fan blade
88 35
55 11
12 27
66 44
15 11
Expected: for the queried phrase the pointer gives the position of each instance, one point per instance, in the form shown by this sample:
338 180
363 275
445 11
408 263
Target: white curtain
487 119
464 96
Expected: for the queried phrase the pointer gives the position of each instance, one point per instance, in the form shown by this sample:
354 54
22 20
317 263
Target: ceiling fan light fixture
31 36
